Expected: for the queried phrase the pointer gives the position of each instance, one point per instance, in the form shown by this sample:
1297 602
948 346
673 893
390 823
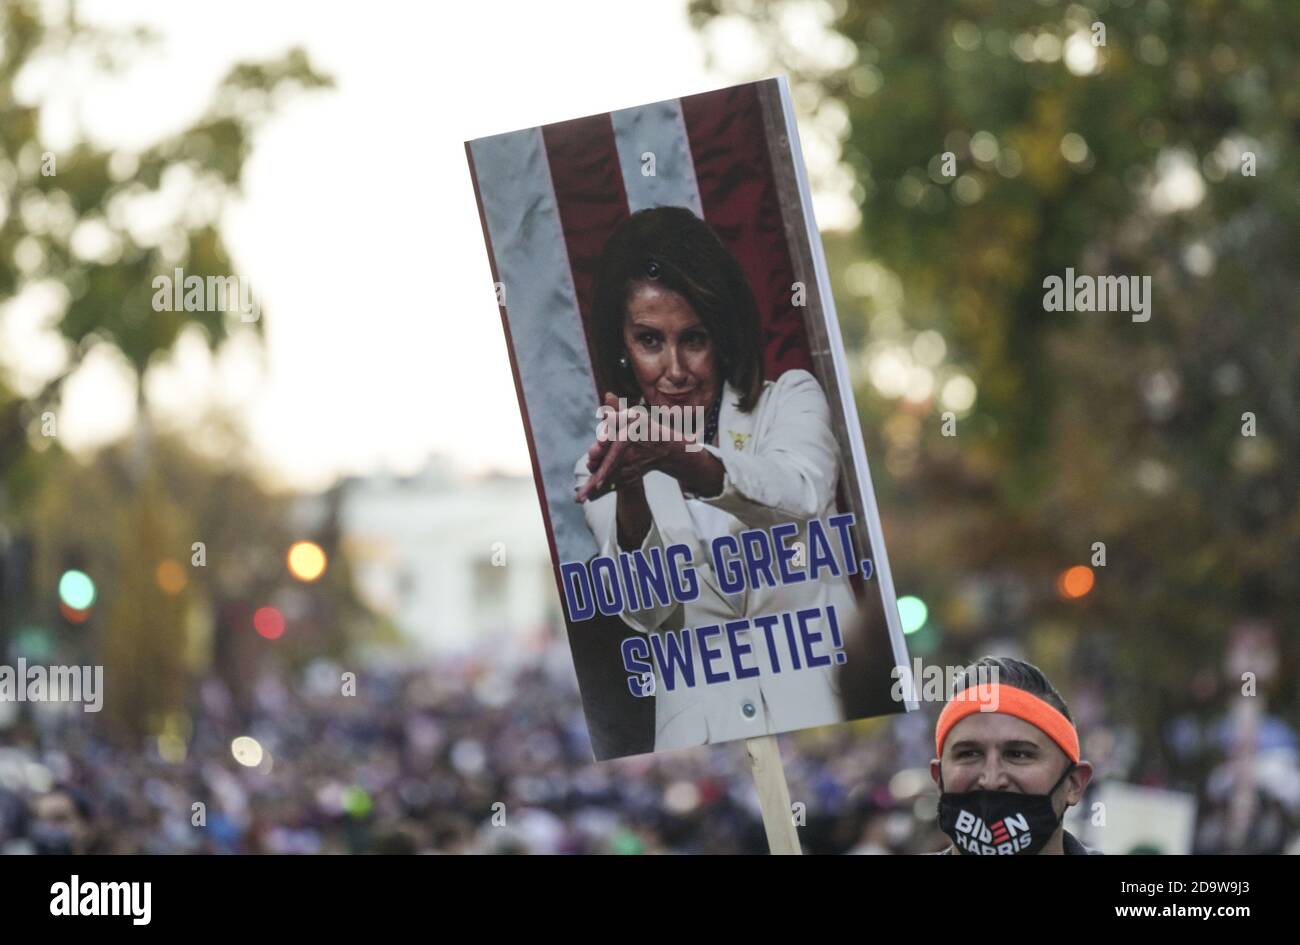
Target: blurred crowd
468 756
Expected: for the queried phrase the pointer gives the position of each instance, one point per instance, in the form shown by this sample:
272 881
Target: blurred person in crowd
63 822
13 821
353 775
1007 763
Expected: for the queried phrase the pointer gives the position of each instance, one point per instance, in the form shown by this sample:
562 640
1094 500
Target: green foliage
108 299
1088 426
122 513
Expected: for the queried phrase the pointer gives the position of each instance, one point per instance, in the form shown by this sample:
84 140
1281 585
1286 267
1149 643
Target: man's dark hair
672 247
1015 673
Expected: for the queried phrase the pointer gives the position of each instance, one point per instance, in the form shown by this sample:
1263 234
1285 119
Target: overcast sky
358 228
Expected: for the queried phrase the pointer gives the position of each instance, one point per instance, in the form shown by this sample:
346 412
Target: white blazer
781 463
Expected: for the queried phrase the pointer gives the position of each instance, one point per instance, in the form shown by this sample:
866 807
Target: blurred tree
66 217
71 237
993 145
169 611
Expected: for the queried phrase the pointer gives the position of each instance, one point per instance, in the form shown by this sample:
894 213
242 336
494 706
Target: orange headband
1009 701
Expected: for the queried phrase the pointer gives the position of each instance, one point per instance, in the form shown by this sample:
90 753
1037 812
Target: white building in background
456 561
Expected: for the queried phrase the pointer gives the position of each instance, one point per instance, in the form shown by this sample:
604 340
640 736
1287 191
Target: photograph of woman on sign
675 324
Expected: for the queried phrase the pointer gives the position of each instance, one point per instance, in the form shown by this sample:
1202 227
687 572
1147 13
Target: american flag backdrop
549 198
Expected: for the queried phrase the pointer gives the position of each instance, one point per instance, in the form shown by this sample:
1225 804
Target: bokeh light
76 590
913 613
269 623
247 751
356 801
306 560
170 577
171 748
72 615
1075 582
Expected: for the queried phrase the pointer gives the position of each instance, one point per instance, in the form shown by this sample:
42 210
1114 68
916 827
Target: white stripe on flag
660 130
554 367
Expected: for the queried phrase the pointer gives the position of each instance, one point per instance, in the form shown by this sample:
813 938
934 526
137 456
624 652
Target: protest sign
692 428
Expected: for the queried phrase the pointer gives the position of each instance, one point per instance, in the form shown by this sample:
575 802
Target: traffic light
913 613
76 590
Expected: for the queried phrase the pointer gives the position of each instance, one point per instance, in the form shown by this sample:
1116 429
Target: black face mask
52 841
993 823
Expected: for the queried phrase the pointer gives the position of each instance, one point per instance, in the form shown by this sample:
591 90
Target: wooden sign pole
773 795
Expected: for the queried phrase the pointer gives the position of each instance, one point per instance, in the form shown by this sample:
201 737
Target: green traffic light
76 590
913 613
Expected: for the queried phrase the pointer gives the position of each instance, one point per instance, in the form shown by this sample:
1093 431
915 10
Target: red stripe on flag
591 199
739 197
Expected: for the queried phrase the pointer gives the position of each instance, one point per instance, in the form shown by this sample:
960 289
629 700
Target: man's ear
934 770
1077 782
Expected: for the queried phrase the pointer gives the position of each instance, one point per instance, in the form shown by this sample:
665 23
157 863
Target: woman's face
669 349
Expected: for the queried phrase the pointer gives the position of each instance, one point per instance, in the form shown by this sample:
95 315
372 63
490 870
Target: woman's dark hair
1017 674
672 247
